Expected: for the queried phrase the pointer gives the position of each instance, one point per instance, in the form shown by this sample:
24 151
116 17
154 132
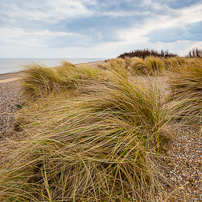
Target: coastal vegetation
99 133
195 53
146 52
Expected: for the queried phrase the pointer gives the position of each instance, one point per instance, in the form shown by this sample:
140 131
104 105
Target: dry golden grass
39 81
97 134
174 64
149 66
136 66
186 91
103 146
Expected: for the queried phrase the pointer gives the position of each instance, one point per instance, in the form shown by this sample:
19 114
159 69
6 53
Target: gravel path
185 166
9 100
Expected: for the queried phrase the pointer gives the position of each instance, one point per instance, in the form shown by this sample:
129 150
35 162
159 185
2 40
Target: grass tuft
39 81
93 148
149 66
116 66
186 91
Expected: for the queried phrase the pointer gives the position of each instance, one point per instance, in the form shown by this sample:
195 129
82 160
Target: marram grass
104 147
136 66
187 93
93 134
39 81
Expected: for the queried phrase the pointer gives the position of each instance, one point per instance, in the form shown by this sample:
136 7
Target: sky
97 28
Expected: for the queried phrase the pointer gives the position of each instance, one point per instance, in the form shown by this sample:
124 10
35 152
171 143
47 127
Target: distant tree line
163 54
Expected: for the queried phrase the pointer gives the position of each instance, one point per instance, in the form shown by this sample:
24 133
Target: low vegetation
99 133
186 92
40 81
195 53
145 53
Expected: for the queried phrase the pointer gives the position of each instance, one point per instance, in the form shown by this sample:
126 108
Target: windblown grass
149 66
135 66
117 66
155 65
175 64
186 91
104 147
40 81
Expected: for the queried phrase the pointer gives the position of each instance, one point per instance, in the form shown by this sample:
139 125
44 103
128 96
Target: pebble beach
10 98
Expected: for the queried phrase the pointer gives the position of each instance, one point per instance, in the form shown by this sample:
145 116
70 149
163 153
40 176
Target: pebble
9 100
185 166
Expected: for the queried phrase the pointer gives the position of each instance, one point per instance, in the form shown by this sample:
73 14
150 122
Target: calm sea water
8 65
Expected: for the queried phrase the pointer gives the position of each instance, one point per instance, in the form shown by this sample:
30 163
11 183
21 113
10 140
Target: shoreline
11 76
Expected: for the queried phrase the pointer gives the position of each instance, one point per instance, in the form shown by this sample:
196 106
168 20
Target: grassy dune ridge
98 133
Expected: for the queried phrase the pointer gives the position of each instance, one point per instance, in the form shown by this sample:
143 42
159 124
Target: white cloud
19 37
47 11
31 26
71 8
180 18
197 44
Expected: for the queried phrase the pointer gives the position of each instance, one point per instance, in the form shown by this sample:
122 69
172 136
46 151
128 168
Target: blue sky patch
103 28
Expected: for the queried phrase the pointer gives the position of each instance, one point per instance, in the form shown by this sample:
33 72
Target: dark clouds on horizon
97 28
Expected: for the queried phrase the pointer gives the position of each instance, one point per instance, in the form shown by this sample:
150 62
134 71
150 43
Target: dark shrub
144 53
195 53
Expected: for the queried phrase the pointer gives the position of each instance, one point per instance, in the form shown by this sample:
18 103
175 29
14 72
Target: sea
9 65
